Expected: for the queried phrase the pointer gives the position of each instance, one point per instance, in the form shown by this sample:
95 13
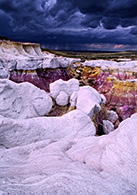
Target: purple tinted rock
40 77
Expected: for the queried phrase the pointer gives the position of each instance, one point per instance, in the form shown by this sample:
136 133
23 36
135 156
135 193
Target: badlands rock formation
25 62
85 98
61 90
114 153
116 80
61 155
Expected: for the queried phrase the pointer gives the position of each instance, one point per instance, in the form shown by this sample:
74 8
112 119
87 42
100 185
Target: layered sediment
23 62
117 83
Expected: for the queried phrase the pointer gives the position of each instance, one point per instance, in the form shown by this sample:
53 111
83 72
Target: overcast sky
71 24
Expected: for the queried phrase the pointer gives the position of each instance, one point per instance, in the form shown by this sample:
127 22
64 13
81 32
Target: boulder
88 101
107 126
67 86
23 100
111 116
62 99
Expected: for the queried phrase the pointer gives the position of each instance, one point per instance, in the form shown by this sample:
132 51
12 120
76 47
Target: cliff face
23 62
8 48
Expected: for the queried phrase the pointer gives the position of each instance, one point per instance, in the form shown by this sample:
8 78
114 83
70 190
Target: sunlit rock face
117 81
9 48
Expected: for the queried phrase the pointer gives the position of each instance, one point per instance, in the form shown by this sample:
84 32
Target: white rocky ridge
115 153
28 56
109 64
21 132
45 168
86 165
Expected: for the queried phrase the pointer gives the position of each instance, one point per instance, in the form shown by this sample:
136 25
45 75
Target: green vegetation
62 53
91 82
95 55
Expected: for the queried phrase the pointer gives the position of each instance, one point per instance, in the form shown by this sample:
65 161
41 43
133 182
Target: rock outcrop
114 153
89 101
86 98
62 155
10 49
74 124
61 90
116 80
45 168
23 100
23 62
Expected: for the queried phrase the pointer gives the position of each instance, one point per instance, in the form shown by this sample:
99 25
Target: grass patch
95 55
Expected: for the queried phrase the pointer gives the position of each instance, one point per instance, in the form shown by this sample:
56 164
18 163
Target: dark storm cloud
52 14
134 30
70 22
37 13
110 13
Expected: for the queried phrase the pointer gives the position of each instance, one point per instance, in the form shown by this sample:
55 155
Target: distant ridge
4 38
87 51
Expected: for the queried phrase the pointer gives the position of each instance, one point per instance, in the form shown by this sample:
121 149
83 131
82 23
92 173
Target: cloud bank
71 24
